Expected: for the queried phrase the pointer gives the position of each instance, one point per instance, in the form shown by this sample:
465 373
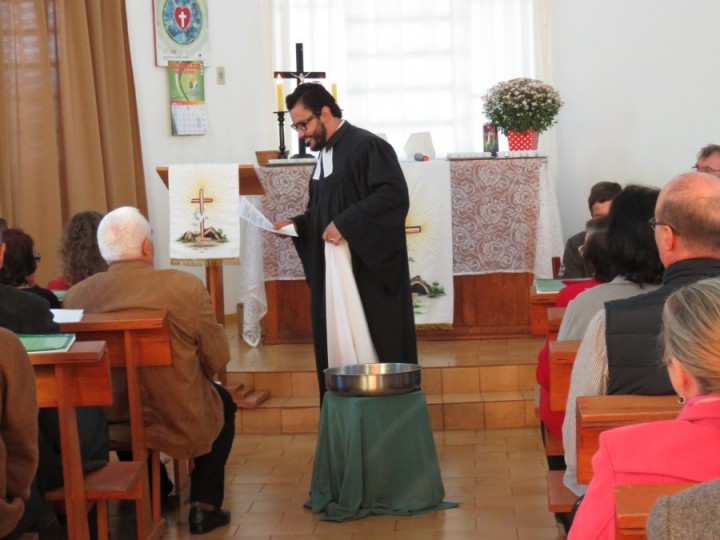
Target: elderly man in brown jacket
186 415
18 435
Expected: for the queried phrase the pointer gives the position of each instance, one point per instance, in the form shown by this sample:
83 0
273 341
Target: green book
34 343
548 285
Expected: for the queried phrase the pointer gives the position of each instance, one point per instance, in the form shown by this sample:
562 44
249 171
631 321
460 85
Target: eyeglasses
708 170
654 223
303 124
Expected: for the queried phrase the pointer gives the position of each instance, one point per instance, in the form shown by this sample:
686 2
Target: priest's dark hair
314 97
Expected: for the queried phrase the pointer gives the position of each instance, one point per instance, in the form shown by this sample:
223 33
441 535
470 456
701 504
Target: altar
505 231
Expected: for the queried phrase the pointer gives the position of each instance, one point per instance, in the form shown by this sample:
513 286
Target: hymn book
37 343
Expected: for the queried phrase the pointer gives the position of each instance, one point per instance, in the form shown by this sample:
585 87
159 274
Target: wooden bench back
596 414
562 359
84 381
555 316
633 504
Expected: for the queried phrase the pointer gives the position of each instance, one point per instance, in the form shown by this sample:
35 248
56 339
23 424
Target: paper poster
181 31
187 98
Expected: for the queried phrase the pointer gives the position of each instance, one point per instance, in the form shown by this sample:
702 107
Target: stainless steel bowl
373 379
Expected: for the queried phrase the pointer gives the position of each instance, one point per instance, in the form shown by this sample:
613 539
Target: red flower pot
527 140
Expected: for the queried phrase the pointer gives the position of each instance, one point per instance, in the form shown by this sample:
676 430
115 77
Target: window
404 66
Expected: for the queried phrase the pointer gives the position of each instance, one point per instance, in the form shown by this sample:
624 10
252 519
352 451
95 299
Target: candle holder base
283 153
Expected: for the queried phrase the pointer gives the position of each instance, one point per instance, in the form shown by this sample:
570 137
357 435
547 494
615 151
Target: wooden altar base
486 306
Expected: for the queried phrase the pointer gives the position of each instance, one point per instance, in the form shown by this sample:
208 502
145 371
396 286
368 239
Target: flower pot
527 140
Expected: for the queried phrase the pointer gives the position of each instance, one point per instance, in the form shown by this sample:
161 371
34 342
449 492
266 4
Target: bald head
689 209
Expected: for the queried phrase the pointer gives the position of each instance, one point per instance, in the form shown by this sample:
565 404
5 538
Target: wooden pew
633 504
539 305
596 414
562 358
554 315
66 380
135 338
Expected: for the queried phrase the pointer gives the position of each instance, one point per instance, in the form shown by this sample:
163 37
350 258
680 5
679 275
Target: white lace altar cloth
505 218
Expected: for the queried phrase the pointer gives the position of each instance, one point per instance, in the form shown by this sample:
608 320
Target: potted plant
522 108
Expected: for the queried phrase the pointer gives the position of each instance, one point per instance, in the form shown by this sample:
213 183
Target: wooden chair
80 377
556 263
596 414
555 316
560 498
136 339
562 358
633 504
540 302
553 443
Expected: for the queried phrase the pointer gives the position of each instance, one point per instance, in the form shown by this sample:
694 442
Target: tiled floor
497 475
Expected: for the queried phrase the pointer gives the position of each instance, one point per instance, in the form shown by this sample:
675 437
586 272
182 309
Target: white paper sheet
253 216
67 315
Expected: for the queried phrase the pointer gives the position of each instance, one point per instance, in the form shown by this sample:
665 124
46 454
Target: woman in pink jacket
682 450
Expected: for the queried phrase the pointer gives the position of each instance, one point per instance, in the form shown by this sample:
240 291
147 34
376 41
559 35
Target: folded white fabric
348 337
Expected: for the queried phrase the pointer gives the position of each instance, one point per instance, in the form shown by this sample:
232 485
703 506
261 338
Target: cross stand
299 75
281 127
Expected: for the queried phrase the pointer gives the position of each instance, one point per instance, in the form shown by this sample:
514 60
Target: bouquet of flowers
522 104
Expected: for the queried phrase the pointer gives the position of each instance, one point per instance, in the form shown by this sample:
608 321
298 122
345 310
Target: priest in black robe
357 193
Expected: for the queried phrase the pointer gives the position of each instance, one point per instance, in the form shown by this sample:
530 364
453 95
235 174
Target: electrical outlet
220 71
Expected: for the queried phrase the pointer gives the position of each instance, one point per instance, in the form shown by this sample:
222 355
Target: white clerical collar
325 159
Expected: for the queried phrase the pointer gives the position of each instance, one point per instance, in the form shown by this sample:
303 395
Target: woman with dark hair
20 263
632 253
79 250
634 256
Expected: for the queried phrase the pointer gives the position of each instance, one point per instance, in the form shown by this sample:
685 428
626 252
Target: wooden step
475 410
243 390
253 399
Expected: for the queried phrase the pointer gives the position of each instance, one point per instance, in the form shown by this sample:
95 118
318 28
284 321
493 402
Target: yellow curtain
69 139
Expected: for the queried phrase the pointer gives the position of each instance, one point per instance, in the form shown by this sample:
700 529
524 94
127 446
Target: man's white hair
121 234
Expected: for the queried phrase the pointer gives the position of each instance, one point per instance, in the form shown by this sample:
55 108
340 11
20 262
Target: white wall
640 82
239 113
639 78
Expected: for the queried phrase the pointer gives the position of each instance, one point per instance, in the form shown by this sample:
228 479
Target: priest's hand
284 223
332 234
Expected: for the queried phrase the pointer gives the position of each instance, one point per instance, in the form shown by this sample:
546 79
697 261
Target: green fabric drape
375 455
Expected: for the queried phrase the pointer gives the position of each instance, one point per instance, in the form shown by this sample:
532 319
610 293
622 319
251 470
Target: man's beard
319 138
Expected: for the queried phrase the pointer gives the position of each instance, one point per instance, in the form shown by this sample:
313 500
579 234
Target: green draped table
375 455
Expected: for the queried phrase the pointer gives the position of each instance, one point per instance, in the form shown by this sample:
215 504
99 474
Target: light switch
220 71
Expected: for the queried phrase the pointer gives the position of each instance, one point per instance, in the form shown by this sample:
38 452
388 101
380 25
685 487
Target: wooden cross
202 200
299 75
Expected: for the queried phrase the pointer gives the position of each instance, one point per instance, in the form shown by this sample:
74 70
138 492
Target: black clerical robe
366 195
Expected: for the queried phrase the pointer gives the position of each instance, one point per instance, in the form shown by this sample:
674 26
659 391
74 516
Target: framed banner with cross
300 75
